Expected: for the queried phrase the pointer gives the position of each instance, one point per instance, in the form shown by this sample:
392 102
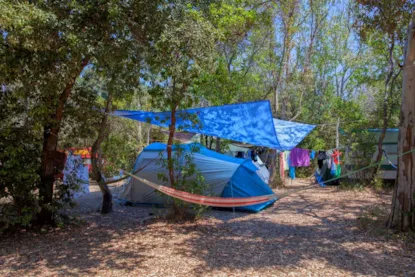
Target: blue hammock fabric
249 122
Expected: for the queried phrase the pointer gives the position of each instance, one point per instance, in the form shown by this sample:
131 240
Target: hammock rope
223 202
389 161
220 202
288 193
119 179
367 167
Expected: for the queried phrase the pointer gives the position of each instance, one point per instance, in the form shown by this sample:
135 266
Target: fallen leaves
309 233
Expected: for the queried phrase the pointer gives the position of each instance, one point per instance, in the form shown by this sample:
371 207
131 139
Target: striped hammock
220 202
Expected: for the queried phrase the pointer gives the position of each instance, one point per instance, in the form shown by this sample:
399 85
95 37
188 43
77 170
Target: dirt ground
314 232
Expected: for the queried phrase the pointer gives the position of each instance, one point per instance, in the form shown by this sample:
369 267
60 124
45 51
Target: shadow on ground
307 233
331 241
81 249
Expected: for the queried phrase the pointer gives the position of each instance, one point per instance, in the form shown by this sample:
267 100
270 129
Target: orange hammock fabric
220 202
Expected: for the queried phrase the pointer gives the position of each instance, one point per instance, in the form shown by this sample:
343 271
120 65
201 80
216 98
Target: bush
20 180
19 177
360 154
187 178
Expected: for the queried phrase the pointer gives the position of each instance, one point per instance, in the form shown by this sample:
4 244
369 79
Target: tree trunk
385 109
172 129
380 148
148 135
403 202
96 161
210 142
50 143
272 167
382 134
217 144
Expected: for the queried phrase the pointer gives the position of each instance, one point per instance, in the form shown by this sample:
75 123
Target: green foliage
83 116
120 150
178 56
232 19
19 165
19 180
322 62
187 178
384 17
232 78
360 154
44 47
176 59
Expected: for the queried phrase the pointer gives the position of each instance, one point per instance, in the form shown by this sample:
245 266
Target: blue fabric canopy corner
290 134
249 122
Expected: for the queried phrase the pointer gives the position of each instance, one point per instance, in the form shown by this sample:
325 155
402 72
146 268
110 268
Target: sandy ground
313 232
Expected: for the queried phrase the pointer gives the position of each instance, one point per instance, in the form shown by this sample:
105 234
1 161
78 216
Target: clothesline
335 123
332 149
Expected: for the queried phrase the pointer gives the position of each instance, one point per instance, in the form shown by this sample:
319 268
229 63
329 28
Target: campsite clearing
315 232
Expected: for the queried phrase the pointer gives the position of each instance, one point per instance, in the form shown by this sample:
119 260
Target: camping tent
234 149
262 169
224 176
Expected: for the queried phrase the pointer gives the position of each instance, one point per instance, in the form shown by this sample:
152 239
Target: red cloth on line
336 156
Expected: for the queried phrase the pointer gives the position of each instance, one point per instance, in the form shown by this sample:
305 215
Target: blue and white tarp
290 134
249 122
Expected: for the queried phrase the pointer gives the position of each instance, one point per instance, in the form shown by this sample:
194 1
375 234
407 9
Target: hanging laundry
329 158
338 171
286 157
333 169
299 157
321 156
327 168
282 168
292 172
336 160
312 154
336 156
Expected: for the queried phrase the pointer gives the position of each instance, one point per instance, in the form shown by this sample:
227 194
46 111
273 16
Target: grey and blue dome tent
224 176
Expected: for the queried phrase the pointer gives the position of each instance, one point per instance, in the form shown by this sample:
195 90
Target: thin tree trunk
140 133
148 135
278 77
272 167
217 144
385 109
96 161
50 143
172 129
403 202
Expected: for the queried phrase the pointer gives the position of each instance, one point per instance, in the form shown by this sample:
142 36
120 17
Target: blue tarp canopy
249 122
290 134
